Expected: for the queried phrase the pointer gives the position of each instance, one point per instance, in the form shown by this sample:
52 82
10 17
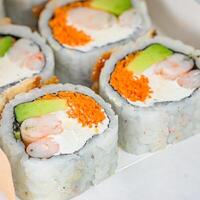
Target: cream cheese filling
163 90
12 71
108 35
74 136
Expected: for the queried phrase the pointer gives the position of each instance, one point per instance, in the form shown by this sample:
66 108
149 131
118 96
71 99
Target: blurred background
179 19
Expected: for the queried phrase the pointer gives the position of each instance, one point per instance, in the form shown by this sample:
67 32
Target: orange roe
133 87
97 70
99 66
82 107
67 34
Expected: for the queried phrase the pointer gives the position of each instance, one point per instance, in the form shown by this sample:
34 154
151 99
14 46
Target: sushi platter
99 100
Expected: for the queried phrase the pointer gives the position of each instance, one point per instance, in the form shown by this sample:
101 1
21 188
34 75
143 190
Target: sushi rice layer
164 106
64 122
171 77
85 27
25 58
24 12
28 45
77 48
72 173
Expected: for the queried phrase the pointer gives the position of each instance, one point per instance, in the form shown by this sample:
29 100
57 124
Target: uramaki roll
60 140
24 12
24 59
154 88
2 12
80 31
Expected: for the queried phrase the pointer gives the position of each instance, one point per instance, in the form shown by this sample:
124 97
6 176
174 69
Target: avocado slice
38 108
155 53
5 44
116 7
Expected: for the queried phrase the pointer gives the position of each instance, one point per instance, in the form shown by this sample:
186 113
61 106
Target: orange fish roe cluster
82 107
97 70
67 34
99 66
134 88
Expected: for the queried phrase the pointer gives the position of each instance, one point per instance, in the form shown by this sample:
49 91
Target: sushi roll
60 140
24 12
6 183
2 13
24 59
154 88
80 31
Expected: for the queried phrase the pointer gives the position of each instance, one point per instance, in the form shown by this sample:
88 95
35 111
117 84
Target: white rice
75 66
60 177
149 129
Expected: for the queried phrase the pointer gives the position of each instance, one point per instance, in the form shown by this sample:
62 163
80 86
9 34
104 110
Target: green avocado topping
116 7
38 108
151 55
5 44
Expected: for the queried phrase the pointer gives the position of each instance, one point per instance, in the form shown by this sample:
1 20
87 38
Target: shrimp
27 54
34 129
44 148
91 19
174 66
21 49
34 62
190 80
129 19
